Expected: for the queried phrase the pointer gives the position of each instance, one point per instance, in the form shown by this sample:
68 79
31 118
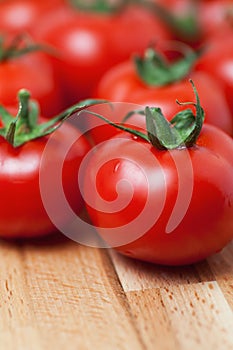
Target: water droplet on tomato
116 167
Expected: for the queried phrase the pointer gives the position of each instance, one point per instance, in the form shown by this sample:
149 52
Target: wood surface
57 294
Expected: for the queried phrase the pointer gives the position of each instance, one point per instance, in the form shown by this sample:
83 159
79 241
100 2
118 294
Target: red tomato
217 60
196 21
213 16
167 207
122 84
23 15
90 43
32 71
23 212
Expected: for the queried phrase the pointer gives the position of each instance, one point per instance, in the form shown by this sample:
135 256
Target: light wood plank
55 293
137 275
222 267
152 319
183 317
17 322
64 294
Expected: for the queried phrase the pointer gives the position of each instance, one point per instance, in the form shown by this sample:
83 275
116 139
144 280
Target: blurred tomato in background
87 43
83 40
24 65
24 15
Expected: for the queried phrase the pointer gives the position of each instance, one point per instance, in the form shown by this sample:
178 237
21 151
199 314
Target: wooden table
57 294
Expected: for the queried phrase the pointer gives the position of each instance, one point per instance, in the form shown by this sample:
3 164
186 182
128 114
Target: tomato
32 71
217 60
166 206
122 83
196 21
22 16
181 17
88 43
23 211
214 16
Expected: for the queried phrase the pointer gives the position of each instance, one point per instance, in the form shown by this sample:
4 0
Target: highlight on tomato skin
89 42
22 16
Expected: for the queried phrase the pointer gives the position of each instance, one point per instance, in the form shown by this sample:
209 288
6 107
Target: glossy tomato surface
19 16
167 207
23 210
198 20
88 43
32 71
123 84
217 60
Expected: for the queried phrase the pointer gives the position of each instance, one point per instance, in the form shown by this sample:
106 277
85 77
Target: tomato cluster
173 149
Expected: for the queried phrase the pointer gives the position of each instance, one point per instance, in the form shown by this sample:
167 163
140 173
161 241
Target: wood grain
55 293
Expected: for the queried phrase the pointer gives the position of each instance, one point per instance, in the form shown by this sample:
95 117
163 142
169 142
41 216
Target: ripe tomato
32 71
168 206
89 43
22 16
214 16
217 61
122 83
181 17
23 212
195 21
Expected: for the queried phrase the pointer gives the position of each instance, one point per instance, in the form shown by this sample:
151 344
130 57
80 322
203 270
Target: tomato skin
217 60
34 72
82 54
22 16
22 210
122 84
207 225
214 17
90 43
211 18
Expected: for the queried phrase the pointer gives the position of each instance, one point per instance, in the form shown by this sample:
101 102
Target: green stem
155 70
100 6
25 127
185 27
20 46
198 123
182 131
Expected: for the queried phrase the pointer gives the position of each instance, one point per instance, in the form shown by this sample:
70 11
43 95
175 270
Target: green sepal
155 70
159 130
182 131
185 26
25 126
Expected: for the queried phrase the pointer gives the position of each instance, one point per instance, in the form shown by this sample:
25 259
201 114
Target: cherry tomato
123 84
89 43
214 16
195 21
171 206
22 16
23 212
217 61
32 71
